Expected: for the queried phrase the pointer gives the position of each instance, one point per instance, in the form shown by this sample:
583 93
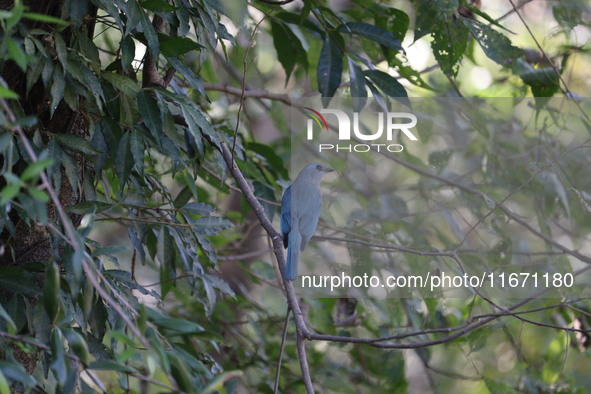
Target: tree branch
292 301
263 94
301 346
150 74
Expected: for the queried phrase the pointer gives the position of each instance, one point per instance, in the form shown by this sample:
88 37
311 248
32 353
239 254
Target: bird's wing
309 209
286 216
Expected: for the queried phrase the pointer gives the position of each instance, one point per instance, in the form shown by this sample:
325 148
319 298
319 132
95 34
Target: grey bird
300 211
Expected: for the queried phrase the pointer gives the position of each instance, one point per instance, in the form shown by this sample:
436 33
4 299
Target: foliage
96 140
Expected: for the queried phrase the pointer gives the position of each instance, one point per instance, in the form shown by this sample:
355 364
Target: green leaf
165 249
18 280
431 13
484 15
76 143
205 245
51 299
450 41
16 372
16 53
544 82
198 122
150 33
189 75
127 52
123 83
182 327
388 85
57 87
136 144
10 324
110 365
289 48
123 278
4 387
87 48
72 171
198 208
184 195
58 362
300 20
8 193
372 32
439 159
400 63
270 155
37 194
150 112
218 384
77 344
495 45
137 244
177 46
6 143
158 6
357 86
86 77
330 68
44 18
7 93
180 373
61 49
391 19
450 35
35 168
25 121
211 225
123 160
568 13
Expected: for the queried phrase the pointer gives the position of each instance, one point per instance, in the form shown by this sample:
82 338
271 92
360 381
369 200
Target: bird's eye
319 167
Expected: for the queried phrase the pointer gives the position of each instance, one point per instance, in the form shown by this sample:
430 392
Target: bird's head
315 171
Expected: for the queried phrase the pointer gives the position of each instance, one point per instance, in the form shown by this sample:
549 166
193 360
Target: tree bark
30 242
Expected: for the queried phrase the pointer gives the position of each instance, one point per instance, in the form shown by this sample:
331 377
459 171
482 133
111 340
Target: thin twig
244 65
281 349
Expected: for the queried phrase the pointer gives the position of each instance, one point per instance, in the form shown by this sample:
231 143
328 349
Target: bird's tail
293 256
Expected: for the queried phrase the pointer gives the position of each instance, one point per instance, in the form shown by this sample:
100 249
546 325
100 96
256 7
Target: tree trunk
30 242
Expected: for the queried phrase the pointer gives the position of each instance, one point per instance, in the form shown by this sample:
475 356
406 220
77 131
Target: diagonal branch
292 300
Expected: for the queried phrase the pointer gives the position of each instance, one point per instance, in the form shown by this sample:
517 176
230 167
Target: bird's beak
327 170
